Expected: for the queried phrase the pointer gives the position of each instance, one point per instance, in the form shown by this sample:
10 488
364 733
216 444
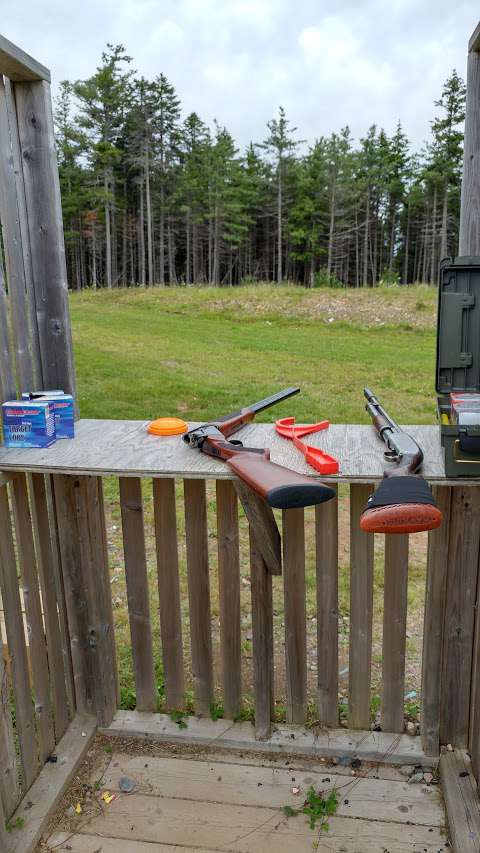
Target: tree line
151 199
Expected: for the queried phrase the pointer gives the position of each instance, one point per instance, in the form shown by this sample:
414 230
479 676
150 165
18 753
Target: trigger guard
236 442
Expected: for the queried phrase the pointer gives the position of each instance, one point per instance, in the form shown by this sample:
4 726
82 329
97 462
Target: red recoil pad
401 504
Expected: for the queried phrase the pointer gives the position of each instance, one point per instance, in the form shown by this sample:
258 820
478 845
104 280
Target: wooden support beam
18 65
469 236
262 520
293 529
394 632
7 375
262 631
361 611
9 781
326 544
474 43
229 594
462 802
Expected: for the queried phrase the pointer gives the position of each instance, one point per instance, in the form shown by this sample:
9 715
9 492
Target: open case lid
458 325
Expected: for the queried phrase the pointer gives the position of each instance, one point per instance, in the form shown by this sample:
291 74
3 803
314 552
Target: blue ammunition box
28 424
62 405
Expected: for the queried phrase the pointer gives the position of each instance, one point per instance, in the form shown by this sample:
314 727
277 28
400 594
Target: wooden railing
54 562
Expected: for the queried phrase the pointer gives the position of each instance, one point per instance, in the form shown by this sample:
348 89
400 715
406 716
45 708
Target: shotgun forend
403 502
281 487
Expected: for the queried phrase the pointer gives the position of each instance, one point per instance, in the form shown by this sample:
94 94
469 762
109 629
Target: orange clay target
167 426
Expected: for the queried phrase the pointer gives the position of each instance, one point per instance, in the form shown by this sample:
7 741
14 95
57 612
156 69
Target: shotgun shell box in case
458 364
62 405
28 423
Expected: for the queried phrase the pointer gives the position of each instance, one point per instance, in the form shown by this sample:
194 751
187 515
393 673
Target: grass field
201 352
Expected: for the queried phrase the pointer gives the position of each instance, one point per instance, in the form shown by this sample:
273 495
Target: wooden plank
7 377
293 529
3 831
474 722
261 518
196 535
262 632
42 195
462 802
33 611
14 258
380 748
45 794
47 570
169 592
326 544
25 723
131 505
469 235
474 43
433 631
9 782
86 844
460 599
394 632
248 829
229 595
125 448
361 611
18 65
214 779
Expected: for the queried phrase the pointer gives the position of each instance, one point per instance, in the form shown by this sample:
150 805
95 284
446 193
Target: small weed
178 717
109 748
412 709
216 711
16 824
316 807
375 704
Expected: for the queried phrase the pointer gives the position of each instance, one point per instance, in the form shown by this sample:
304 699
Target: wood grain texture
7 376
326 545
42 195
462 802
459 619
57 645
18 65
33 612
131 505
169 592
435 592
261 519
229 594
474 722
125 448
293 529
394 632
361 611
3 831
9 781
262 632
474 43
199 594
469 236
25 722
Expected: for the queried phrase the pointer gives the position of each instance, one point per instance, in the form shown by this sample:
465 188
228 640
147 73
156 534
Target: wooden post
295 614
261 518
469 237
361 611
326 541
131 504
169 592
229 594
7 377
394 632
262 630
460 600
9 787
433 630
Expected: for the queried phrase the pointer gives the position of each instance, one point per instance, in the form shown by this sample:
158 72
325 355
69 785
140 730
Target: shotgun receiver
280 487
403 502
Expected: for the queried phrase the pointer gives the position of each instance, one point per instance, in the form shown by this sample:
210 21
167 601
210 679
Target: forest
150 198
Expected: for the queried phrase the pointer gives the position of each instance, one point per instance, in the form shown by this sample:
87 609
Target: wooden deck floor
223 802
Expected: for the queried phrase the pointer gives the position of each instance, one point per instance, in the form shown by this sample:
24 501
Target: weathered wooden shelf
124 448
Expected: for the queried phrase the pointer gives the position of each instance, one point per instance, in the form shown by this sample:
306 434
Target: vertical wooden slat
435 590
108 604
42 195
469 232
7 376
474 732
9 787
169 592
33 612
394 632
199 594
137 592
326 543
3 831
47 571
361 611
25 722
17 286
460 600
262 632
295 614
229 594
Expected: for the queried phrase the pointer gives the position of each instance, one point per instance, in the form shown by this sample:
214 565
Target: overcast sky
329 64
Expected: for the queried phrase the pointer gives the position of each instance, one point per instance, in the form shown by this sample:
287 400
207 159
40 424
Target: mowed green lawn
201 352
